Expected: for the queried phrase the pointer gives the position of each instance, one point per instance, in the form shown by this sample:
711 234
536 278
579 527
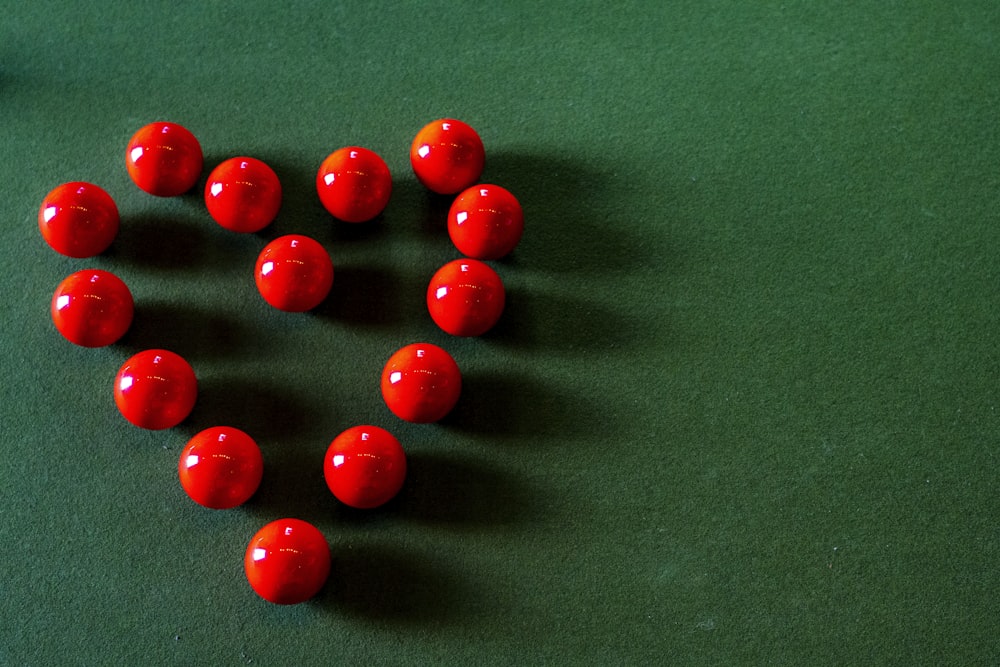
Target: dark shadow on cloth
567 228
387 584
268 412
540 322
521 408
462 493
366 296
161 241
189 331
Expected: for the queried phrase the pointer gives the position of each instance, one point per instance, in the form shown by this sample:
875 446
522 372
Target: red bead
354 184
465 297
294 273
421 383
243 194
92 308
164 159
447 156
221 467
78 219
485 222
365 467
156 389
287 561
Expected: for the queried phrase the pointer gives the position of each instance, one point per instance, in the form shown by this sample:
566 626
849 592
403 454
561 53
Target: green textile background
741 407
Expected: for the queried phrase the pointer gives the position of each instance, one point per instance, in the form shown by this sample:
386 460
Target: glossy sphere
447 156
421 383
78 219
294 273
243 194
365 467
354 184
221 467
92 308
287 561
164 159
465 297
156 389
485 222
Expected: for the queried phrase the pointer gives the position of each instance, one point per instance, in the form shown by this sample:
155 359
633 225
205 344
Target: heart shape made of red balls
288 561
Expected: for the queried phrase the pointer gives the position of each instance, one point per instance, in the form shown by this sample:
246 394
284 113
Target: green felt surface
741 408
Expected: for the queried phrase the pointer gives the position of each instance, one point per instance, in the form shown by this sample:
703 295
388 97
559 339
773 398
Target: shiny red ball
156 389
92 308
365 467
485 222
243 194
354 184
287 561
220 467
421 383
465 297
294 273
164 159
78 219
447 156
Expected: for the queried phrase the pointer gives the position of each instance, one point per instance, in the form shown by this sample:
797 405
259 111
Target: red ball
92 308
354 184
294 273
365 467
164 159
156 389
485 222
78 219
243 194
287 561
447 156
221 467
421 383
465 297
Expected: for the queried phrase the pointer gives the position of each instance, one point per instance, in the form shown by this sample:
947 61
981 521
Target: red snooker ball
465 297
365 467
485 222
243 194
78 219
287 561
92 308
421 383
164 159
156 389
294 273
447 156
354 184
220 467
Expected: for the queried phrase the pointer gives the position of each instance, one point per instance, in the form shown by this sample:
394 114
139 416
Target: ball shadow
366 296
160 241
387 584
537 321
434 220
267 412
461 493
293 483
301 211
572 221
520 409
286 424
189 331
427 211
